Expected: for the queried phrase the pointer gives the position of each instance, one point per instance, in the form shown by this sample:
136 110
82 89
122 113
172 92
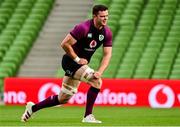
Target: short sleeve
108 38
78 31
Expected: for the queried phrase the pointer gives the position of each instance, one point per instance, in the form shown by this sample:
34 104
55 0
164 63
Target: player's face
102 18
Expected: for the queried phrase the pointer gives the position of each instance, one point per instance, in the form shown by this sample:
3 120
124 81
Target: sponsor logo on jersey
101 37
92 44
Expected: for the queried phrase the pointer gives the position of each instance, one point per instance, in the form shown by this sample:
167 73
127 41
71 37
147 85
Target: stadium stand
20 23
146 39
44 58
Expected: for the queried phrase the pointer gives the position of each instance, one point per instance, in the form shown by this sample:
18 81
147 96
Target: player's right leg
28 112
32 108
69 88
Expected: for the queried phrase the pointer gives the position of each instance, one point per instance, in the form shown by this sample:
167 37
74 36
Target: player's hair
98 8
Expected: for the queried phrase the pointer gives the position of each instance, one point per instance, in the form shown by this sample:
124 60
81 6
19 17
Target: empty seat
20 23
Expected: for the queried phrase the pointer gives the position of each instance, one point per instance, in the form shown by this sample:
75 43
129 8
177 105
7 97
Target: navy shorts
69 66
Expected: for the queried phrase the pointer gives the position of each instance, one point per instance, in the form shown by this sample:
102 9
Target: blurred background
146 36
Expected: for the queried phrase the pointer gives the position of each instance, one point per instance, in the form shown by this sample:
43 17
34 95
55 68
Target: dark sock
48 102
91 97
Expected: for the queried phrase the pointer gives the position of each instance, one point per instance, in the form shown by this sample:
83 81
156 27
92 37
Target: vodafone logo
47 90
161 96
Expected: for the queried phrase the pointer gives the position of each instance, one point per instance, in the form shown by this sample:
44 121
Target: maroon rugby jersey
90 38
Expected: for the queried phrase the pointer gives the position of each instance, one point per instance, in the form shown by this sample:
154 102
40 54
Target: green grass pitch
110 116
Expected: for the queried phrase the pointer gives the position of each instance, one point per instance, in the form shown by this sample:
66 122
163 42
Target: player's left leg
85 73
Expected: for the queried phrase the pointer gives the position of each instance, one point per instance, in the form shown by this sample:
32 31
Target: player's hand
97 74
83 61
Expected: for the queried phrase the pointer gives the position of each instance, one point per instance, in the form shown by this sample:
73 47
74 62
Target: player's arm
107 52
66 44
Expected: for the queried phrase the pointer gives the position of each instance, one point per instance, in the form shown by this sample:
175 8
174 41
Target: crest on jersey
92 44
101 37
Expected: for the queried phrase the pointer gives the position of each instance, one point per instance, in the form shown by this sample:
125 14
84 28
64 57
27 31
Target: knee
64 98
66 93
97 83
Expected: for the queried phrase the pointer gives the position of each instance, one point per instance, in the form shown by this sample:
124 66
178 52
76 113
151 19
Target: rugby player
79 46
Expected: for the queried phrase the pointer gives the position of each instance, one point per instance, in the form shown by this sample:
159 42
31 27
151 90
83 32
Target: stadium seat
1 85
145 36
20 23
146 39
